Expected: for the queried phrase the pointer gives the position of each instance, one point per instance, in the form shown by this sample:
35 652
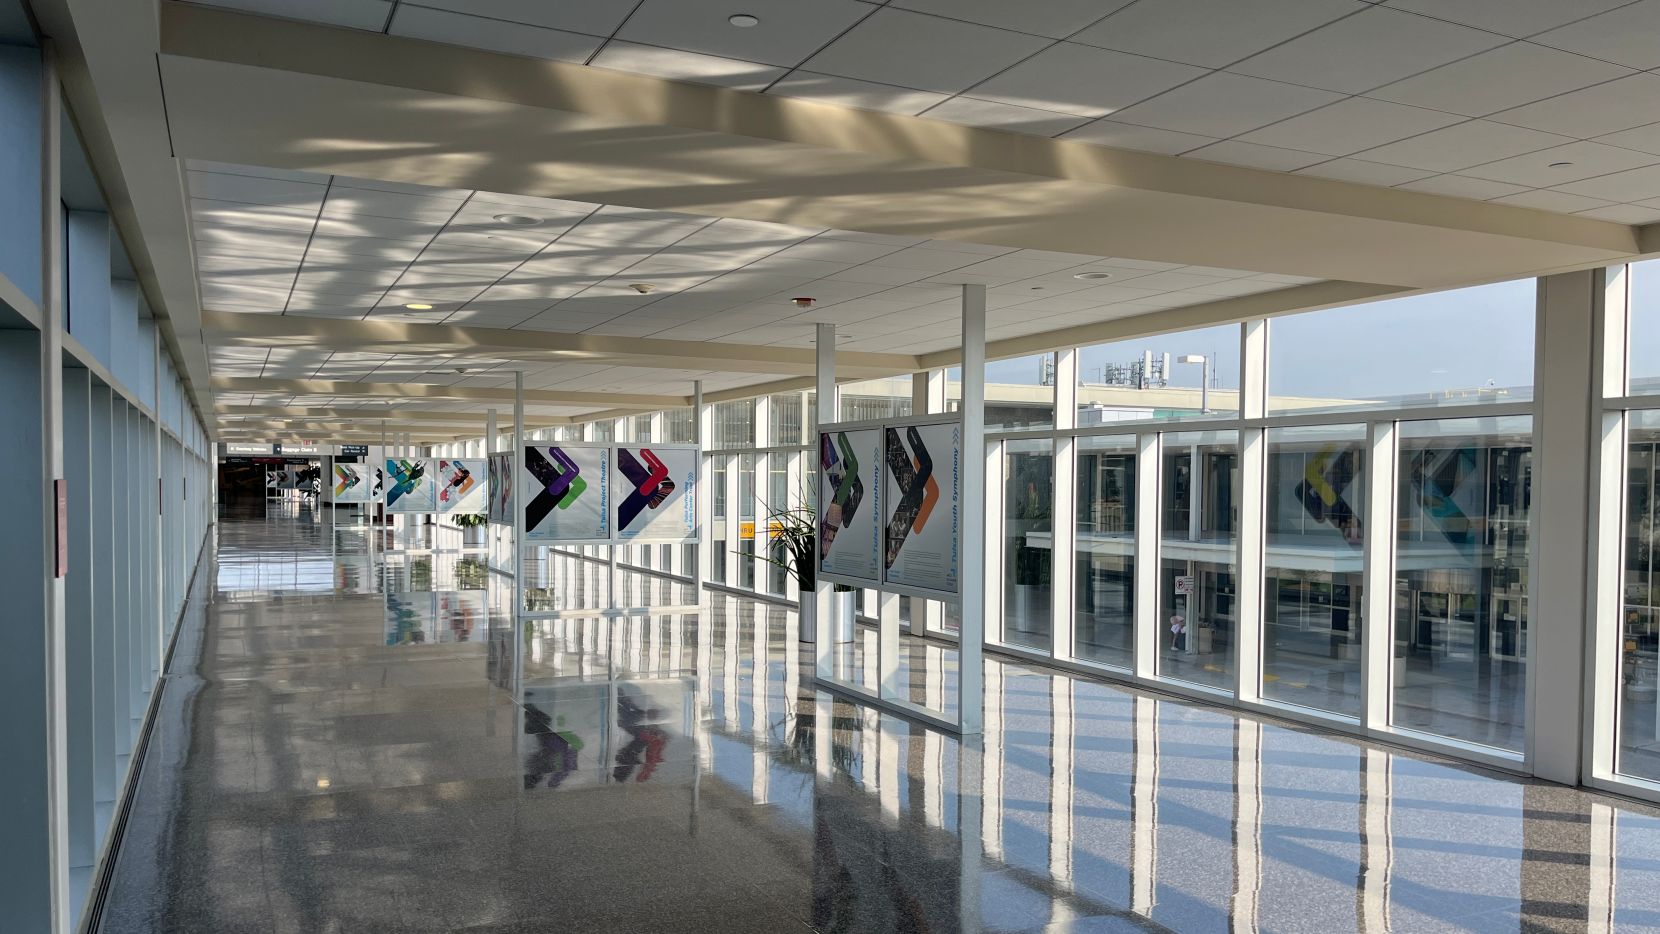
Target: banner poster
350 483
273 481
567 494
463 486
655 499
500 492
922 477
410 487
850 514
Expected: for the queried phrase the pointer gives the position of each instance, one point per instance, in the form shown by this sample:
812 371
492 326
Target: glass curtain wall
1639 635
1104 607
1462 501
1311 638
1028 542
1198 556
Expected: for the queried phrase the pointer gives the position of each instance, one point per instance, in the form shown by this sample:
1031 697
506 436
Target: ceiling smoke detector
644 288
804 301
518 220
744 20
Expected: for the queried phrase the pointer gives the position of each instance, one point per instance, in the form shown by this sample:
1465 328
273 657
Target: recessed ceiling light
518 220
1560 165
418 306
1093 275
743 20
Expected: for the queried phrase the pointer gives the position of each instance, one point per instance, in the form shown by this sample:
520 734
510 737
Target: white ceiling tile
1255 156
491 34
1366 173
849 92
1543 169
1083 80
1624 214
246 189
933 260
594 17
1000 116
1594 111
1508 76
1508 17
1629 35
1559 201
1461 146
346 203
1204 32
788 31
1642 138
1222 105
255 171
358 14
1458 186
1630 185
686 66
1056 19
1349 126
1144 139
1371 48
888 47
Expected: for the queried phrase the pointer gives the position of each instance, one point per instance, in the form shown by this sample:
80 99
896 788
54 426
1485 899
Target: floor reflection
364 745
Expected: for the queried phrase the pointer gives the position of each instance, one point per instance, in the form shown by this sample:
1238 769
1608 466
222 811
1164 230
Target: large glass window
1313 567
1639 715
679 426
1461 578
778 500
871 399
1188 374
1643 334
1198 557
1446 348
746 519
735 424
1104 606
717 508
1028 542
1020 392
784 419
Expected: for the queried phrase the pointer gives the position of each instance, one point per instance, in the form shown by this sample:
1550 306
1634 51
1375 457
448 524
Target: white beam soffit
230 329
253 90
434 392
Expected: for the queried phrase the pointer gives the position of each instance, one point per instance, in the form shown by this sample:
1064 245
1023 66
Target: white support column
1148 627
1252 498
1605 594
825 405
927 398
702 429
1064 526
971 659
1377 648
762 491
518 496
1567 427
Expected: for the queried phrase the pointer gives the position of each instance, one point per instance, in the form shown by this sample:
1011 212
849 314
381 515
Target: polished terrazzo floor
348 744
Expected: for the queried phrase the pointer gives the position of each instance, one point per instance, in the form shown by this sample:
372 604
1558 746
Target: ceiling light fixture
1560 165
1093 275
743 20
518 220
418 306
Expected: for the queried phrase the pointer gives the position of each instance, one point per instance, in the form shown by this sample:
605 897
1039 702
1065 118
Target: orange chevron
930 496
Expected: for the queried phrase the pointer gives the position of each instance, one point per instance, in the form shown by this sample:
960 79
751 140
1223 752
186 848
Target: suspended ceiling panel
1548 105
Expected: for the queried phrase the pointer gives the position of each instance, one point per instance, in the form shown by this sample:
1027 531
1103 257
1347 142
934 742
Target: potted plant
472 529
795 527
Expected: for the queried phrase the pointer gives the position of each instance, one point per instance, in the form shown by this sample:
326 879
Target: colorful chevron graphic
913 472
843 474
345 478
458 481
561 480
652 486
406 476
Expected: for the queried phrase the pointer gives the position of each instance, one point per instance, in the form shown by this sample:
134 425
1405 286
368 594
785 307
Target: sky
1462 339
